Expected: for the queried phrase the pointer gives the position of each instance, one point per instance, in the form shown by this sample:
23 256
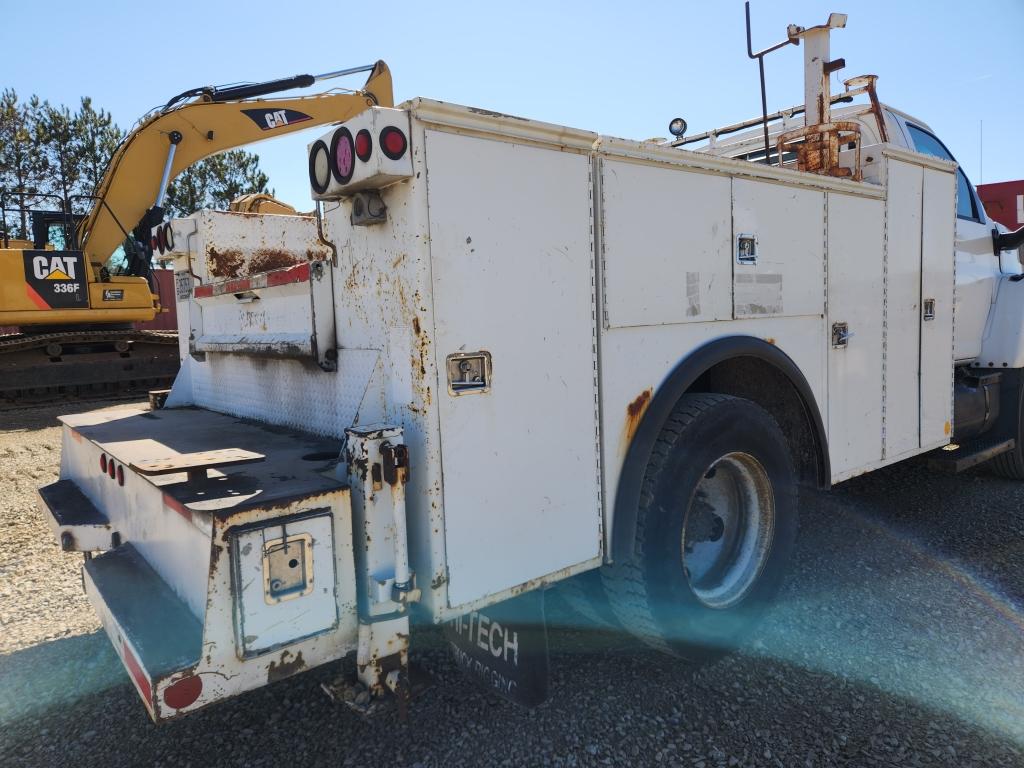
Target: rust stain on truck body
634 414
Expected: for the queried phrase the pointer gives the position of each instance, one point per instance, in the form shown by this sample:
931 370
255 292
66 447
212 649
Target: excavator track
42 367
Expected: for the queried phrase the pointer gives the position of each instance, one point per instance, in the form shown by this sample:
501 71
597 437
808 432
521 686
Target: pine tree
96 139
215 182
22 166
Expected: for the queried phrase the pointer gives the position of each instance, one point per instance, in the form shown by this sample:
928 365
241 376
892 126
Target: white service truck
505 353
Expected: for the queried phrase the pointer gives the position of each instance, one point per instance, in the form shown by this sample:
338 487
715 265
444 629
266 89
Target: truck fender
686 373
1003 344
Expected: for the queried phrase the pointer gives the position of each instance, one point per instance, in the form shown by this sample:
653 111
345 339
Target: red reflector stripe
236 286
297 274
141 681
178 507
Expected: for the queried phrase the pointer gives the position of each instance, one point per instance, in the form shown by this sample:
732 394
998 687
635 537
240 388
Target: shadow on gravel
56 674
618 706
896 641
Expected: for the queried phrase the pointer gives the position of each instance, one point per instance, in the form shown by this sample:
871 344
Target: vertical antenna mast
981 151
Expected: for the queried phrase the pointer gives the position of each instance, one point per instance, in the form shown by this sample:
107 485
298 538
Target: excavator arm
213 121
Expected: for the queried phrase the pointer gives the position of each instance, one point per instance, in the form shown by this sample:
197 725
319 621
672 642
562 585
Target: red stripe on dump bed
145 689
297 274
178 507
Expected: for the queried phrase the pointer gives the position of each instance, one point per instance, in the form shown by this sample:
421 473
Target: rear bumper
194 585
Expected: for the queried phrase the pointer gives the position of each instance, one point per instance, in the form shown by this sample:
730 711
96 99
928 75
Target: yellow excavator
71 306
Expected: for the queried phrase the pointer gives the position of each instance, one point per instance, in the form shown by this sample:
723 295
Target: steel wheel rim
727 531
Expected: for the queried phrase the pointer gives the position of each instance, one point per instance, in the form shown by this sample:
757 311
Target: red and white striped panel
297 274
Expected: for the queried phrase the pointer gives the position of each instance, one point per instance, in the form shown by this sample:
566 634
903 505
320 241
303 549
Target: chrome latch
469 372
287 568
746 249
840 335
929 310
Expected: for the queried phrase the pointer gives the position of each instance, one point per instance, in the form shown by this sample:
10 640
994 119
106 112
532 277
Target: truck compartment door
778 250
918 352
514 308
902 372
855 306
937 292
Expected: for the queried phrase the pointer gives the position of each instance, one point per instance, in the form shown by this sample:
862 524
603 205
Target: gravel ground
897 641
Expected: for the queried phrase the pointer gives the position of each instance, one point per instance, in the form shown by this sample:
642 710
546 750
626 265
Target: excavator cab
55 230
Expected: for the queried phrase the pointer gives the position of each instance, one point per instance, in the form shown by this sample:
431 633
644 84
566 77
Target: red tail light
364 145
343 159
120 475
111 468
153 244
103 463
161 239
393 142
168 237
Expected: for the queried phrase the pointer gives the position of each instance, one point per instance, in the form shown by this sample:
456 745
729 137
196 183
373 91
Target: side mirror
1007 241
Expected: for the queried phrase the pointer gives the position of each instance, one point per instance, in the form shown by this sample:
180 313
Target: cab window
927 144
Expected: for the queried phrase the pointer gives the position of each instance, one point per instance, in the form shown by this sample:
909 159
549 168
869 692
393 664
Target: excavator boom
73 318
139 172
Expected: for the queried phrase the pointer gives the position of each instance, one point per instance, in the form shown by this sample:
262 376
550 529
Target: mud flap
505 648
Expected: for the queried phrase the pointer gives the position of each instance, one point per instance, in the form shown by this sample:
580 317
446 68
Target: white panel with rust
512 275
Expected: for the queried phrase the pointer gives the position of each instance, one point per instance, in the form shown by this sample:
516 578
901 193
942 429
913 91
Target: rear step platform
76 522
153 630
964 457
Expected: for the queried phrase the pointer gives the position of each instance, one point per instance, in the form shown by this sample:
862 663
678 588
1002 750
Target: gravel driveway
897 641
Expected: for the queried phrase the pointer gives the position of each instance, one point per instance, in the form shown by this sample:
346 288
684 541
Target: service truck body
444 392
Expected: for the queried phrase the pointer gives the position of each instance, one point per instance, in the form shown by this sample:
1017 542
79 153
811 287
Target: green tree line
52 157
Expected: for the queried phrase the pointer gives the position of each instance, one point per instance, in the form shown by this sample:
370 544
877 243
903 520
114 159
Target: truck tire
716 526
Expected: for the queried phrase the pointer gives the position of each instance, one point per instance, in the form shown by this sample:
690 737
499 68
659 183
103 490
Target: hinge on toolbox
394 458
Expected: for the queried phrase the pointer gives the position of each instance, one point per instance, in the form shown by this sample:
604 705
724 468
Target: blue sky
623 68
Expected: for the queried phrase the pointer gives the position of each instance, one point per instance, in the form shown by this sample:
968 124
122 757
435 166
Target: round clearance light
111 468
343 157
677 127
161 239
393 142
103 463
168 237
319 167
364 145
120 475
